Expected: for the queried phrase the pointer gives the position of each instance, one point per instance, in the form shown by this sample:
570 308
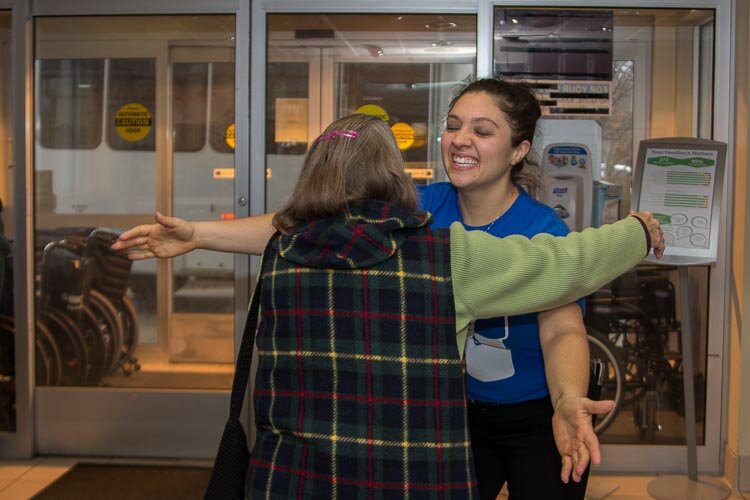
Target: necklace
486 228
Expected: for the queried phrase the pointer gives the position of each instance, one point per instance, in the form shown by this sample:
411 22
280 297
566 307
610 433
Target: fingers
598 407
134 249
591 443
129 243
135 232
581 462
567 468
660 246
141 255
170 222
655 232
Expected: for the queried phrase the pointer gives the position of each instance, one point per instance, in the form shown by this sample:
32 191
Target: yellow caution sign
229 135
373 109
404 134
133 122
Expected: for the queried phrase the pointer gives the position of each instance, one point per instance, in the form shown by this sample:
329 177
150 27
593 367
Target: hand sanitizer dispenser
570 160
568 183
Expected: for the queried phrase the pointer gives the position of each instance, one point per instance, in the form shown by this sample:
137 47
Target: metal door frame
629 458
249 183
622 457
20 443
260 10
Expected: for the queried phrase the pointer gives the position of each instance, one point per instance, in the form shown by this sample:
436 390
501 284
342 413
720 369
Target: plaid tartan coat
359 391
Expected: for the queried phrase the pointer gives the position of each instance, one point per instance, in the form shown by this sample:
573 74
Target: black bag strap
233 458
245 356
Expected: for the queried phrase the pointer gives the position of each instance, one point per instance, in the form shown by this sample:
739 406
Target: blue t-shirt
504 359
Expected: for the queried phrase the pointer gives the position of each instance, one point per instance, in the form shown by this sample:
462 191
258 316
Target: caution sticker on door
374 110
133 122
404 134
229 135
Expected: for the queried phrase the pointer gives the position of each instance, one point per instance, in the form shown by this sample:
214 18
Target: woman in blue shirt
527 376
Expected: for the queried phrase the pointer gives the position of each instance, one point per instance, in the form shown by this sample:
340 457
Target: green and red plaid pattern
360 390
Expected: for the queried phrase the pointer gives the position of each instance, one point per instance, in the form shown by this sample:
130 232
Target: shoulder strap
233 458
244 358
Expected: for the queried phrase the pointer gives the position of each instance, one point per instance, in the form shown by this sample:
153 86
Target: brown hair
340 170
521 108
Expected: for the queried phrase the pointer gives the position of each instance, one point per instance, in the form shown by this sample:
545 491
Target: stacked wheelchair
634 338
86 325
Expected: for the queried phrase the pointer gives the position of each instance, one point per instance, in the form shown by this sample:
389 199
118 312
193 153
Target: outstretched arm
172 236
566 364
545 272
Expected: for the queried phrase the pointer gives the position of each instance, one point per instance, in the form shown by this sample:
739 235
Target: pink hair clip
349 134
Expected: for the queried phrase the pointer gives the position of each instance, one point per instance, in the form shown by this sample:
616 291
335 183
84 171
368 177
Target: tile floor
21 479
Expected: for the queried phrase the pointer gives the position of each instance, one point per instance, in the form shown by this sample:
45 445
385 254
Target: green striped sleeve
514 275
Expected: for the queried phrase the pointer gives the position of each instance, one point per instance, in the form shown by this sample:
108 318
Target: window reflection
190 88
659 84
222 107
399 67
7 333
102 320
70 95
131 104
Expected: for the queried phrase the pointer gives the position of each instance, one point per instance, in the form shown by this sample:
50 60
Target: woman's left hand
655 232
574 434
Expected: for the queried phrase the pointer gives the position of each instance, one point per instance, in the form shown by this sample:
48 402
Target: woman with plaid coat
364 310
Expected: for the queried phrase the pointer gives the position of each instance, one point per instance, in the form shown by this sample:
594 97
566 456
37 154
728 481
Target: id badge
488 360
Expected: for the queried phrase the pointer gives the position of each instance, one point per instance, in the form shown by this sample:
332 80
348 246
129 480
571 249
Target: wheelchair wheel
130 322
106 311
7 404
42 364
603 352
98 339
47 340
7 343
72 344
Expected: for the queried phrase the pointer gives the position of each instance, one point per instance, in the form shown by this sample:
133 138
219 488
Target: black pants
514 443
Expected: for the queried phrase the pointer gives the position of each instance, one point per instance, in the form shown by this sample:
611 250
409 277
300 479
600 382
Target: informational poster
291 120
680 181
678 186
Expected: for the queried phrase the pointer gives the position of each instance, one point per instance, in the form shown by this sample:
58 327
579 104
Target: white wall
737 456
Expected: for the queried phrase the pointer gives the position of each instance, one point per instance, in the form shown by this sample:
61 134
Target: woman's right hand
655 232
169 237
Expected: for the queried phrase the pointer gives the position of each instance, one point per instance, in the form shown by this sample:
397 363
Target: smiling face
476 145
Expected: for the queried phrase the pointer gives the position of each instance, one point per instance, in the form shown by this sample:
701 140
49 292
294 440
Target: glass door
293 115
201 328
634 74
398 67
132 115
7 330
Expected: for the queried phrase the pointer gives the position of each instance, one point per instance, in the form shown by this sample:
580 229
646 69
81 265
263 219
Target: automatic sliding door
133 115
398 67
7 330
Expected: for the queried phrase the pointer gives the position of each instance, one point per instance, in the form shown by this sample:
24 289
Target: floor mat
128 482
